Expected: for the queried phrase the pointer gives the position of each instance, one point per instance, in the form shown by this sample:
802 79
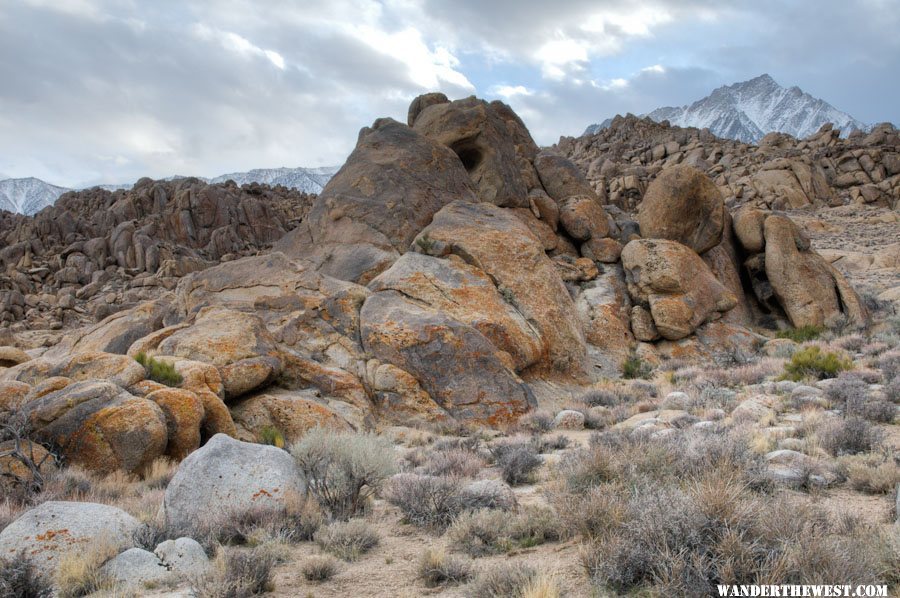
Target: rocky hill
748 110
29 196
97 251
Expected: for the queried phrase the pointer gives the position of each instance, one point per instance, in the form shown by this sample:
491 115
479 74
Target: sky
108 91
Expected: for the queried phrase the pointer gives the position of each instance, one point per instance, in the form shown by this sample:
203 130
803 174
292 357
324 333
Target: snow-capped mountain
747 111
29 196
310 180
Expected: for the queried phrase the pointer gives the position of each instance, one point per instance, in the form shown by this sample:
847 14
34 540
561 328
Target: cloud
111 90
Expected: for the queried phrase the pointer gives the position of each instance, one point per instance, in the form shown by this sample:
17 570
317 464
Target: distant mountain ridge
31 195
746 111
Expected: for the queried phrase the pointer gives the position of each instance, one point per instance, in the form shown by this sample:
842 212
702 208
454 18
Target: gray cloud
111 90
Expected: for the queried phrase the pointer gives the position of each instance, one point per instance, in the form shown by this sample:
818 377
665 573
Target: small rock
569 419
136 569
183 556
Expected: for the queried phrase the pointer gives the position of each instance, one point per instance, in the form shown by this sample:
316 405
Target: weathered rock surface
682 204
371 210
677 286
496 242
227 476
52 530
100 426
479 135
460 369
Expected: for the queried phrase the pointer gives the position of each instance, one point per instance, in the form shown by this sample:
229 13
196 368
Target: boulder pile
449 265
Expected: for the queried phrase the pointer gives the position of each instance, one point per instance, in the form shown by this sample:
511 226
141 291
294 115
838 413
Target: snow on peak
747 110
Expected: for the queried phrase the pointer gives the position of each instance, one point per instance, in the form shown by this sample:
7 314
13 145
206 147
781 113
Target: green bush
159 371
635 367
272 436
802 334
811 362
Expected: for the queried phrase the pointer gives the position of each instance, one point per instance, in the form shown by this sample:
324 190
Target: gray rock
785 386
803 391
569 419
227 476
54 529
676 400
137 569
183 556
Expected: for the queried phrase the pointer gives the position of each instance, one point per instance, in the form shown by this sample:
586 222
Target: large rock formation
446 271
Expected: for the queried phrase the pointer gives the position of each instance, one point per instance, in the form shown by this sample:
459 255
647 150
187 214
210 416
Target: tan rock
503 248
679 288
292 413
642 325
11 356
583 218
606 250
682 204
184 413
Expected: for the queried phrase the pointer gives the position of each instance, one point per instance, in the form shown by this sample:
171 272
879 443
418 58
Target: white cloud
237 44
509 91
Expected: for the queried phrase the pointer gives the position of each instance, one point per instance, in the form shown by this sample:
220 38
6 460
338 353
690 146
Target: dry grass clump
319 568
238 574
740 375
437 568
296 521
343 470
679 515
503 581
20 579
851 393
347 540
873 474
78 573
486 532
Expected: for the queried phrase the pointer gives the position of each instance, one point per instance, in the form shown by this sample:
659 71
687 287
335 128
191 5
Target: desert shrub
517 461
437 568
272 436
347 539
343 469
242 573
454 462
601 398
812 362
801 334
543 444
634 367
319 568
151 534
537 421
20 579
427 501
486 532
486 494
503 581
846 388
892 390
873 474
878 410
849 436
159 371
889 364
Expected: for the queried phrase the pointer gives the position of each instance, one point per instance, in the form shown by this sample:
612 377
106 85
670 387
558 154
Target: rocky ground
470 367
